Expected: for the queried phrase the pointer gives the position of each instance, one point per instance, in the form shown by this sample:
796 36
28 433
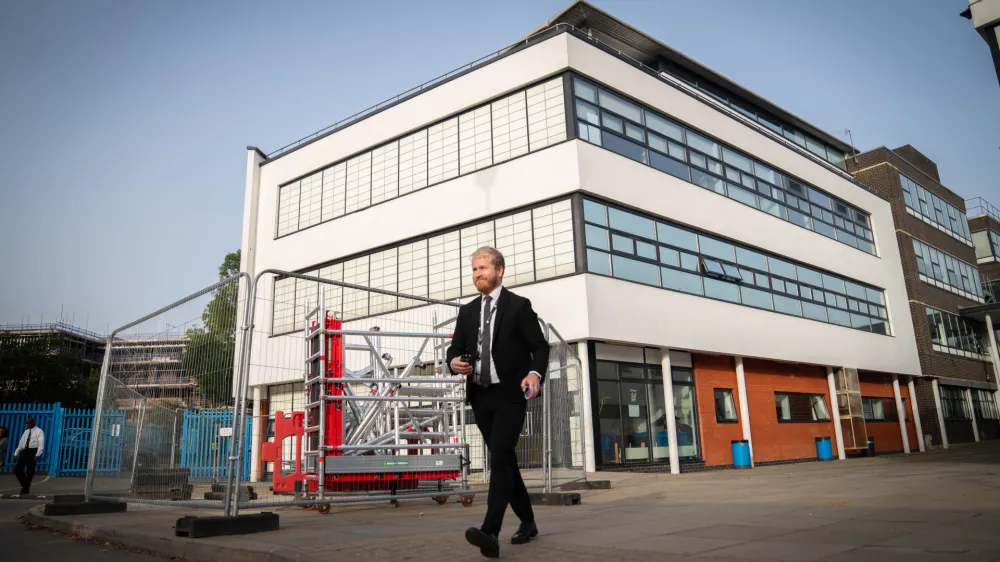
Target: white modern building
662 217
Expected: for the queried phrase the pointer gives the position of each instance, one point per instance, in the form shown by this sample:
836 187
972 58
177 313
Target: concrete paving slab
737 532
782 552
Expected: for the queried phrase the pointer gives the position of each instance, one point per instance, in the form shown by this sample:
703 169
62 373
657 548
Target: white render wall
589 306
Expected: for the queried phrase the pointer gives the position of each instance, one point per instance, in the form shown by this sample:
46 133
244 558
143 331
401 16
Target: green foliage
38 369
209 357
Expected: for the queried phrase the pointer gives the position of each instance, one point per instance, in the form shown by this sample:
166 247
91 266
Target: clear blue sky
123 125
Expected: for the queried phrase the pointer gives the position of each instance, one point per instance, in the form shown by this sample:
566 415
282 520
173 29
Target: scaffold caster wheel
308 507
441 500
466 501
323 508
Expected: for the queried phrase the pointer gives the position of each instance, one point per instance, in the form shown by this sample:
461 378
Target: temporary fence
341 391
165 411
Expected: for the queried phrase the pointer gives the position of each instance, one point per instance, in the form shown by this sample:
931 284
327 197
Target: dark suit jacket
518 345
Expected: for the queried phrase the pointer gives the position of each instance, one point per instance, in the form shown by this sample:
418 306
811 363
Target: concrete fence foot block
198 527
555 498
587 485
82 508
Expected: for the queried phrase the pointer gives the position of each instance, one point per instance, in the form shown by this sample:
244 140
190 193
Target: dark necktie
484 357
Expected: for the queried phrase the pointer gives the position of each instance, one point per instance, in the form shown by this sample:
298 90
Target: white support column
588 414
940 413
255 436
972 412
901 414
916 415
668 411
994 357
835 413
741 386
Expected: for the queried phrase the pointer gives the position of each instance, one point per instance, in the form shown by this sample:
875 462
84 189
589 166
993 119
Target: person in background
29 450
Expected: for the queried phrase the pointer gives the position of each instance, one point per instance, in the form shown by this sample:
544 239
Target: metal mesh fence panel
165 413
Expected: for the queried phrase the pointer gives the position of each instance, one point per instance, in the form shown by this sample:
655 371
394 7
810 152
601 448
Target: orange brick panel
711 372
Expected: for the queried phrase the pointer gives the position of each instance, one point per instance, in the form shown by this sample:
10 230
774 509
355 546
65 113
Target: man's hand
460 367
533 382
37 457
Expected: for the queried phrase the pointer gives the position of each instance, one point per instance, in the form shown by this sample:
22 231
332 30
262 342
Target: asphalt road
19 543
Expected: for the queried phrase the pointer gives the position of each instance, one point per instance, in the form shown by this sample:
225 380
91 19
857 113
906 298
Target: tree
209 356
40 369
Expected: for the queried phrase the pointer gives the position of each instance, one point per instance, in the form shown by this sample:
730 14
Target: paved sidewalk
936 506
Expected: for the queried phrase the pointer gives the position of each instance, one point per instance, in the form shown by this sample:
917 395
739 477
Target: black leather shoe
488 544
525 533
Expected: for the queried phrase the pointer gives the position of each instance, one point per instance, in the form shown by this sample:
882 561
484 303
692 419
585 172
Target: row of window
935 210
882 409
832 155
629 246
537 244
955 406
954 334
987 244
634 131
959 276
519 123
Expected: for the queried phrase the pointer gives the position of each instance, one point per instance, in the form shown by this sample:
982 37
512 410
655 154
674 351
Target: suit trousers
500 423
24 470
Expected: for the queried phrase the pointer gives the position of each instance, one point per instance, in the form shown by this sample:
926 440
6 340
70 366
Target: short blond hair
494 255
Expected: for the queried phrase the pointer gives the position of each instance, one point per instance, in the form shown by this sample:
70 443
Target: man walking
29 450
499 345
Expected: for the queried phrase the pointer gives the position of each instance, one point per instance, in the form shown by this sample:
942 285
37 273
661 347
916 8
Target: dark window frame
719 415
794 411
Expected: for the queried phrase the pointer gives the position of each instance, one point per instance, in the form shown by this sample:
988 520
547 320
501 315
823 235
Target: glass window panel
670 256
782 407
681 281
773 208
736 159
717 248
814 311
752 259
825 229
635 132
626 148
834 283
674 236
546 114
632 223
855 290
732 174
819 410
866 246
742 195
677 151
620 106
598 262
658 143
621 244
762 280
633 270
810 276
712 266
748 182
689 261
830 298
670 166
800 219
597 237
861 322
782 268
787 305
778 284
612 122
875 296
708 181
664 126
585 90
807 293
715 167
755 298
590 133
721 290
841 301
588 112
702 144
645 250
839 317
595 212
698 160
791 288
765 173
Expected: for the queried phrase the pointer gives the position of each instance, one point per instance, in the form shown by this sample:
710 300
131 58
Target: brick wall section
983 222
711 372
918 160
878 170
989 271
888 438
779 441
928 410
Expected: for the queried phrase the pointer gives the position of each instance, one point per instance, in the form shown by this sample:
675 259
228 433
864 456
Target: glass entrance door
635 421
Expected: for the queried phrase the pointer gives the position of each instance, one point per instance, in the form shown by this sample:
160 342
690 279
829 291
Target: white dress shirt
482 317
33 438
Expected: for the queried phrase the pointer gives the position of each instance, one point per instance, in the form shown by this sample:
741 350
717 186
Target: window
987 244
947 272
524 121
880 409
953 403
954 334
796 407
640 134
655 253
725 408
985 406
933 210
536 243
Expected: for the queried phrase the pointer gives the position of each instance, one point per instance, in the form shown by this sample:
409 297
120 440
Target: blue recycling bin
824 449
741 454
